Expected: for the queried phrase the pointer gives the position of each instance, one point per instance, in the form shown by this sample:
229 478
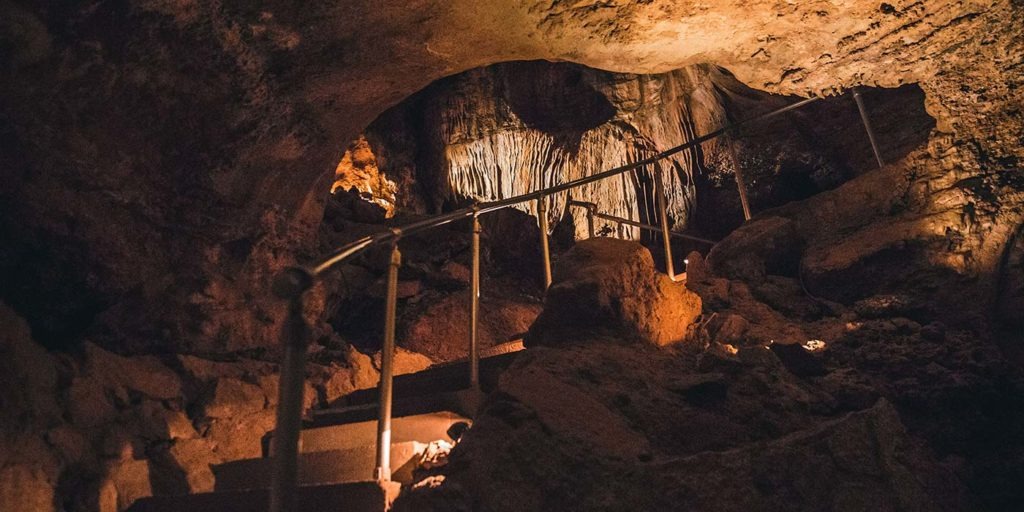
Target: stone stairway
337 447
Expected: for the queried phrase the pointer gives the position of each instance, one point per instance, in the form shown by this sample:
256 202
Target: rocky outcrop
160 174
861 461
606 286
783 401
96 430
643 430
433 288
505 130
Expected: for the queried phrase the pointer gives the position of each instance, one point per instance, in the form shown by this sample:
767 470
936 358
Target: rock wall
497 132
94 431
165 159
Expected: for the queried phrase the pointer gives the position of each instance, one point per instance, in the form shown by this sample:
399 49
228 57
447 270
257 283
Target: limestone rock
862 461
194 458
23 487
609 285
88 404
126 481
359 373
155 421
764 246
441 330
142 374
405 361
240 437
232 398
28 376
206 370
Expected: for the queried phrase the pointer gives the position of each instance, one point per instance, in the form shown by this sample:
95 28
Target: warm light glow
814 345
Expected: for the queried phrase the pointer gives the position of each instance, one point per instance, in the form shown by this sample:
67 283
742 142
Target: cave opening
506 129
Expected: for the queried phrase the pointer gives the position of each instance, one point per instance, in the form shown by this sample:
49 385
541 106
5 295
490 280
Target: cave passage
492 133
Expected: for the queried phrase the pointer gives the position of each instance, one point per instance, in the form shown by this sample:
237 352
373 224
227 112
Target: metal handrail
352 248
292 284
592 213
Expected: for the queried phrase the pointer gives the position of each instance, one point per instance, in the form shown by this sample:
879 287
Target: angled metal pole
867 125
590 219
662 200
741 181
542 214
382 472
290 285
474 307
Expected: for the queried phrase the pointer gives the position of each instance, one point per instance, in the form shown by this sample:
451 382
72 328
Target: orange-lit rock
358 170
441 331
606 285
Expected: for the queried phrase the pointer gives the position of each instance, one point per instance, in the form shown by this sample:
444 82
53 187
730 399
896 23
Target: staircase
337 452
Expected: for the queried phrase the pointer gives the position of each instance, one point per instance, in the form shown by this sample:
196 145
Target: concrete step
463 402
349 497
321 467
422 428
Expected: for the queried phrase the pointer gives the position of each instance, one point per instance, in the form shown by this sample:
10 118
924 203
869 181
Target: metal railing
292 284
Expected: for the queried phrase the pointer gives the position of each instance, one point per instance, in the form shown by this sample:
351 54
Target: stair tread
320 467
401 407
423 428
355 496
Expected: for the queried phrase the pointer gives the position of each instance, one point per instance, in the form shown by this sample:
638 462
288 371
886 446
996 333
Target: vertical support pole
590 219
867 125
542 215
294 336
662 202
741 181
387 358
474 306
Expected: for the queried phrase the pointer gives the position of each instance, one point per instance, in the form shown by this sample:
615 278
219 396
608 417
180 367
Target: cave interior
489 256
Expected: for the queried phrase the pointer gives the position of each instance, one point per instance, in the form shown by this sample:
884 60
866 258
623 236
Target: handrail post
662 200
382 472
542 215
474 305
590 219
741 182
290 285
867 126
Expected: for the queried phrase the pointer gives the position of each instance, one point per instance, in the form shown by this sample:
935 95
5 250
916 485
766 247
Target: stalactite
491 151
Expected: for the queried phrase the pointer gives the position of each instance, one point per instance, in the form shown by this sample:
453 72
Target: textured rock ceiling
163 158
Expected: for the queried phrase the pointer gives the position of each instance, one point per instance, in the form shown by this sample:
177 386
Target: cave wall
163 159
500 131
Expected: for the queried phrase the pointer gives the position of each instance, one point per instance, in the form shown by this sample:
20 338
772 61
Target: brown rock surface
610 286
221 127
645 429
441 332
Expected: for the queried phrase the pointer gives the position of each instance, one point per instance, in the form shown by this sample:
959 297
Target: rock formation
162 161
610 287
118 187
96 430
497 132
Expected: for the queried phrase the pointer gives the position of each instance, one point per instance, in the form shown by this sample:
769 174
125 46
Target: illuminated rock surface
609 286
163 160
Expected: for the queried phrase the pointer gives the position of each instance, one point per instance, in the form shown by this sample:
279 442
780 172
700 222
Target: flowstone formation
505 130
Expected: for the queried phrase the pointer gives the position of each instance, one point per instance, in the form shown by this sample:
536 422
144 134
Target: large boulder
610 286
861 461
765 246
441 330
